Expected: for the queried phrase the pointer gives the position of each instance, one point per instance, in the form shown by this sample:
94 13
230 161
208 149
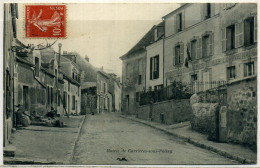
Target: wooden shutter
151 68
224 40
212 8
255 28
199 48
173 55
177 23
211 44
239 38
189 50
204 11
183 20
181 53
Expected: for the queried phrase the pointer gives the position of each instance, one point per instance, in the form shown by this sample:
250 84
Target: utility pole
57 77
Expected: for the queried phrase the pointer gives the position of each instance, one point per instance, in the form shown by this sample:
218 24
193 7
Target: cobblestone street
108 138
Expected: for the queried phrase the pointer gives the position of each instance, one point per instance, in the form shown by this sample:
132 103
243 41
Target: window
249 31
194 78
104 87
154 67
231 72
179 22
193 49
177 54
249 69
68 86
194 85
205 46
208 11
230 35
73 102
37 66
137 96
139 79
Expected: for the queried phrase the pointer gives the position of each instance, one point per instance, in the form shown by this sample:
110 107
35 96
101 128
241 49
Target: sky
104 31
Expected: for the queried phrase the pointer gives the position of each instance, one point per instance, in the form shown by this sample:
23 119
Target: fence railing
213 91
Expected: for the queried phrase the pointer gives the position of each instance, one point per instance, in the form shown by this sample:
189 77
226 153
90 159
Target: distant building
104 98
72 89
114 88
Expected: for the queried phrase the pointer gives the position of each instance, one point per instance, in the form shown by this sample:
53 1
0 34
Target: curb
23 161
198 144
76 141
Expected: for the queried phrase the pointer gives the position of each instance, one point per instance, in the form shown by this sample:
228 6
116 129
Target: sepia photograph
129 83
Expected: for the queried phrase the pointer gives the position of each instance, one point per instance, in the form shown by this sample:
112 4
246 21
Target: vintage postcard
129 83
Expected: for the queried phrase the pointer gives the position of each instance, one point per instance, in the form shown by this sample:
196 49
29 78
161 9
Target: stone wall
242 112
204 119
167 112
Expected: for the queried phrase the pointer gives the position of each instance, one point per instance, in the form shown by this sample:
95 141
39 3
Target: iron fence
210 92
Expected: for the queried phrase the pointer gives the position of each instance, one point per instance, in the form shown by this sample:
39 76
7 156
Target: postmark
45 21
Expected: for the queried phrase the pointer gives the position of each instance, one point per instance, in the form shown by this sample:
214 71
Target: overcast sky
105 31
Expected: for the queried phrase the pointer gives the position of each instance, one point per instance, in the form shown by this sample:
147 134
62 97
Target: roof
86 85
176 10
65 76
22 60
147 39
48 71
104 74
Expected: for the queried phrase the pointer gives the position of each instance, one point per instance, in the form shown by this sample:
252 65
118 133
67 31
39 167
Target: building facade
154 61
134 74
104 98
206 42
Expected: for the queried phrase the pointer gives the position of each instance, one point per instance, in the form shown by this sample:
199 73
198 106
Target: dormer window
208 11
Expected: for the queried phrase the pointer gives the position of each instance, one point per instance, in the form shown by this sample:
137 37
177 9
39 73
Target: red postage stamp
45 21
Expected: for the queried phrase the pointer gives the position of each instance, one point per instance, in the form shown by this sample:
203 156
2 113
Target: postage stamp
45 21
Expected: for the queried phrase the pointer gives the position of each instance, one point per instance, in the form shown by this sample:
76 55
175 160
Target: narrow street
107 138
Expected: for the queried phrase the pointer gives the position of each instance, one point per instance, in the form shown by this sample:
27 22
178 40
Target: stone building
10 32
104 98
114 88
211 43
134 73
72 90
154 61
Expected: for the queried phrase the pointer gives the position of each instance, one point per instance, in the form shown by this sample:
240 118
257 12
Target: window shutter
177 22
239 40
199 48
151 68
173 55
195 51
189 51
211 44
182 53
204 10
224 40
212 8
255 28
183 20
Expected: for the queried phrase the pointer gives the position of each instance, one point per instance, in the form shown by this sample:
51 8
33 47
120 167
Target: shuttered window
193 48
239 34
207 45
154 67
199 48
249 30
230 37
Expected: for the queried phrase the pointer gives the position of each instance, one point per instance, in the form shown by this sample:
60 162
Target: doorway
25 98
